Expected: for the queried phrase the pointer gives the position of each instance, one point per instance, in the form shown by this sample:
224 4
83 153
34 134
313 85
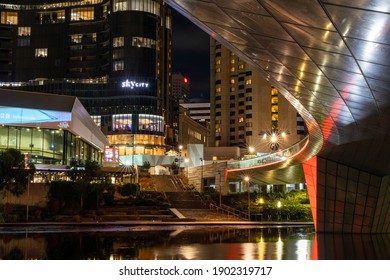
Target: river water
186 243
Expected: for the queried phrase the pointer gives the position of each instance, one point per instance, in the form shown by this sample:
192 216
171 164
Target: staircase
189 204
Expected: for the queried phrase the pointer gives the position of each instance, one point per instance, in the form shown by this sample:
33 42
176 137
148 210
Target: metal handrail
230 211
269 158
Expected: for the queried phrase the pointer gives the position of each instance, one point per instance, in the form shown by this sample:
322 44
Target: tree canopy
14 172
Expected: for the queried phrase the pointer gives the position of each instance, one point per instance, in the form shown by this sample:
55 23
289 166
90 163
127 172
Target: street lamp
180 153
279 210
249 197
251 149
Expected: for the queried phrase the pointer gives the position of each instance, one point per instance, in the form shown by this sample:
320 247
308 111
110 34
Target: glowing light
186 80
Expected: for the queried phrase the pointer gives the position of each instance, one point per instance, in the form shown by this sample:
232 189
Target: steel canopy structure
331 60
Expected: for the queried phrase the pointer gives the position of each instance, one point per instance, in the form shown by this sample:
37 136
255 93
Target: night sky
191 54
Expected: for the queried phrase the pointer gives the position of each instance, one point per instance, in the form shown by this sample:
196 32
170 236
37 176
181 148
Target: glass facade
47 146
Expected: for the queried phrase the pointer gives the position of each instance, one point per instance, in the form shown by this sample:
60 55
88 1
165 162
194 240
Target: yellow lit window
41 52
275 117
232 61
9 18
241 67
24 31
218 62
274 108
232 81
232 89
274 100
248 82
218 70
218 89
232 69
82 14
118 42
241 120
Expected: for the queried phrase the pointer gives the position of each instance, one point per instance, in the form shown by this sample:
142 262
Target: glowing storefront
51 129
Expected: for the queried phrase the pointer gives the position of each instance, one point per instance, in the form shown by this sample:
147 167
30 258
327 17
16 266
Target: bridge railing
269 158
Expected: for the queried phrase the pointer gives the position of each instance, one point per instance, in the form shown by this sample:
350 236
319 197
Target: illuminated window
232 89
232 69
82 14
232 61
232 81
151 123
148 6
241 120
118 42
24 31
141 42
122 122
118 65
76 38
218 62
218 70
275 117
41 52
51 17
9 18
120 5
274 108
274 100
248 82
241 67
218 89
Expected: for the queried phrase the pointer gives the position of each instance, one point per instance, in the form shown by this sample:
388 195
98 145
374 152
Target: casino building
52 130
113 55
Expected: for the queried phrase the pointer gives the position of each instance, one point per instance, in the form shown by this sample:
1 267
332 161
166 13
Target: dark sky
191 54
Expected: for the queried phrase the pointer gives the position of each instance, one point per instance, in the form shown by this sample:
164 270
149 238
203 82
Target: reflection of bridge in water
330 59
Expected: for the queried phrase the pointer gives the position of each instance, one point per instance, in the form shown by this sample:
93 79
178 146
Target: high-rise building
246 110
180 87
114 55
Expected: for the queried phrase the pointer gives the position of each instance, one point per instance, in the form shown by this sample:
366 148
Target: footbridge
331 60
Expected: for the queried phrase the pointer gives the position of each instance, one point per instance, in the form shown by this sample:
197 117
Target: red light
185 80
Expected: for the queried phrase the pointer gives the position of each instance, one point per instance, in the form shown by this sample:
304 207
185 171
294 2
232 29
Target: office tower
246 110
115 56
180 87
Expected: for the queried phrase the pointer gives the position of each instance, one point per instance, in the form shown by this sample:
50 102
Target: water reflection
186 243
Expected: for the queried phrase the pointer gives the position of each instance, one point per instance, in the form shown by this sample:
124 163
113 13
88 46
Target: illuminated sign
10 115
134 84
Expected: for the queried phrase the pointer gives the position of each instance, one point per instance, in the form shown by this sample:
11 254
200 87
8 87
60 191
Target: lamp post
249 197
180 153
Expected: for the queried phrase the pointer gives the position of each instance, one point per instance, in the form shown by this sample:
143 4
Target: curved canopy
329 58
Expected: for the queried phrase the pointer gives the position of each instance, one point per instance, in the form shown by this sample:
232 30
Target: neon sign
134 84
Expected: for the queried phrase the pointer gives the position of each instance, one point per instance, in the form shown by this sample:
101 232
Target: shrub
128 189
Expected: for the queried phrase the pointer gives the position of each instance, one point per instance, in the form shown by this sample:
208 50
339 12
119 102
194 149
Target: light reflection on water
187 243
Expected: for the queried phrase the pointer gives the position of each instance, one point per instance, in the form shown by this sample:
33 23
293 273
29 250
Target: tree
14 172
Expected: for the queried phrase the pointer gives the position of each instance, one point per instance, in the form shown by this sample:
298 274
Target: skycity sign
134 84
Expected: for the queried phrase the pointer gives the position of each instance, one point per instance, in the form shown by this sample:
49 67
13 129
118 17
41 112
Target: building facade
115 56
180 88
51 134
246 111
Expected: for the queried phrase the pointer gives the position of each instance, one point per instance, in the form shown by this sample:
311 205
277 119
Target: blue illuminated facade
51 133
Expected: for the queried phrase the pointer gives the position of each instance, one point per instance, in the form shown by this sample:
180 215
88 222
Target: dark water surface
186 243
